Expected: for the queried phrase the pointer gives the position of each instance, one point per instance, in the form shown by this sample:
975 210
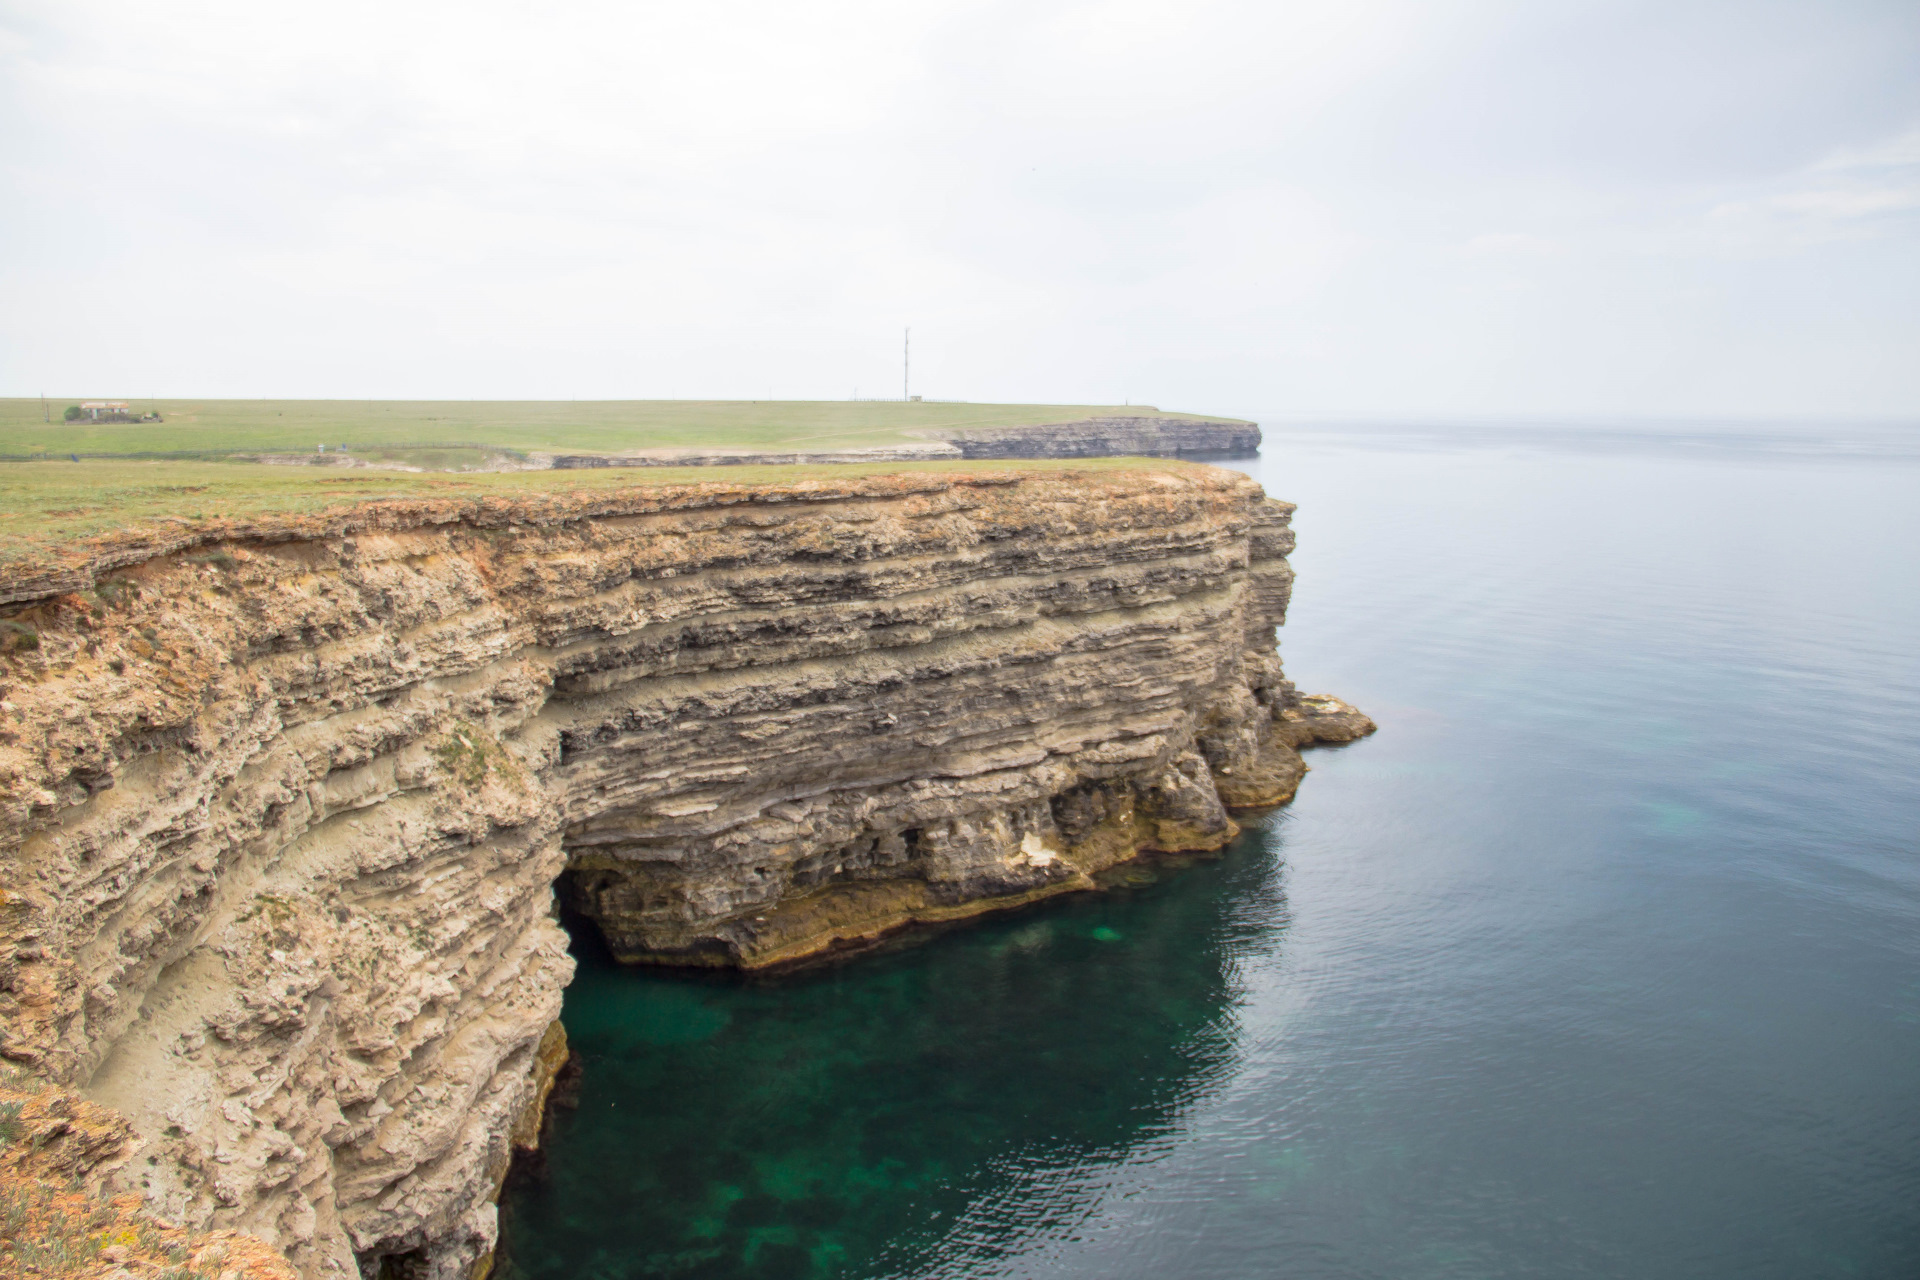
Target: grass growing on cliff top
48 507
418 431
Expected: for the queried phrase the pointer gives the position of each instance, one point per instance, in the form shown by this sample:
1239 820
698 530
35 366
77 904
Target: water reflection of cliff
843 1121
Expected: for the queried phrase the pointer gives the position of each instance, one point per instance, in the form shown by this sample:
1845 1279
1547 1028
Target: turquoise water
1601 959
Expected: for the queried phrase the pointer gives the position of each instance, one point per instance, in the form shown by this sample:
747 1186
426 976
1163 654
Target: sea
1600 959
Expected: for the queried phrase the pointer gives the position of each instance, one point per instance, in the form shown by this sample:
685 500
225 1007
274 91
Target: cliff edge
284 804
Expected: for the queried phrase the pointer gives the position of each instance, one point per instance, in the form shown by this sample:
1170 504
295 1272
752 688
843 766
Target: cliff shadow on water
928 1106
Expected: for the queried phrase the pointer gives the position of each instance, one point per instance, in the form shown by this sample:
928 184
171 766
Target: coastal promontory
290 801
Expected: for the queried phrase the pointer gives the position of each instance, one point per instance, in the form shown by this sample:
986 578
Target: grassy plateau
197 463
376 428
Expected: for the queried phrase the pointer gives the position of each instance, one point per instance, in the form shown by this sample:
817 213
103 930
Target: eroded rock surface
283 806
60 1159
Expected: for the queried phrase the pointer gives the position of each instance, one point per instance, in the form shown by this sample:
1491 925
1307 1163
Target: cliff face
59 1155
1114 438
284 807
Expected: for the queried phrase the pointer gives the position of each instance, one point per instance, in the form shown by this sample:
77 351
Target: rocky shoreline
285 809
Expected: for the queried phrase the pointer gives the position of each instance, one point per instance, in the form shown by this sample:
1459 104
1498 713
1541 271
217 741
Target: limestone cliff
59 1155
283 803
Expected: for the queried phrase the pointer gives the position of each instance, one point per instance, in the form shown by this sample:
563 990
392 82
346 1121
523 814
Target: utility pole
906 364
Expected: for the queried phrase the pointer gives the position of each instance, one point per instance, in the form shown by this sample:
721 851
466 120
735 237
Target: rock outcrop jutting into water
285 802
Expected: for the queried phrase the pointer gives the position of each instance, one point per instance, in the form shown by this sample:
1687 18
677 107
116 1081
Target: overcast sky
1361 206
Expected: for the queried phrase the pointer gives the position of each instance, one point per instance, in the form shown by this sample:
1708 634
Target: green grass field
124 477
48 506
418 431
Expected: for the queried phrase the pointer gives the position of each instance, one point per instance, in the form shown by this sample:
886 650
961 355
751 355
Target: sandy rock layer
283 808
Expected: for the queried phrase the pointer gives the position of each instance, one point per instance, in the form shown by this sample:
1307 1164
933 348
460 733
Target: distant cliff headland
292 777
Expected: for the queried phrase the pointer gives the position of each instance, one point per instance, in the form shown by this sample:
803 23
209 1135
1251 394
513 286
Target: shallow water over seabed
1601 959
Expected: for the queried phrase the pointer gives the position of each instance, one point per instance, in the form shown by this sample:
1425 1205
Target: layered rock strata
283 805
1115 437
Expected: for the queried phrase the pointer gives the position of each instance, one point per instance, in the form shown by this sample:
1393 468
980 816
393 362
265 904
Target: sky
1369 207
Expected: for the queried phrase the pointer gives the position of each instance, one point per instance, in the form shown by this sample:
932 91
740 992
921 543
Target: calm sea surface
1601 959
